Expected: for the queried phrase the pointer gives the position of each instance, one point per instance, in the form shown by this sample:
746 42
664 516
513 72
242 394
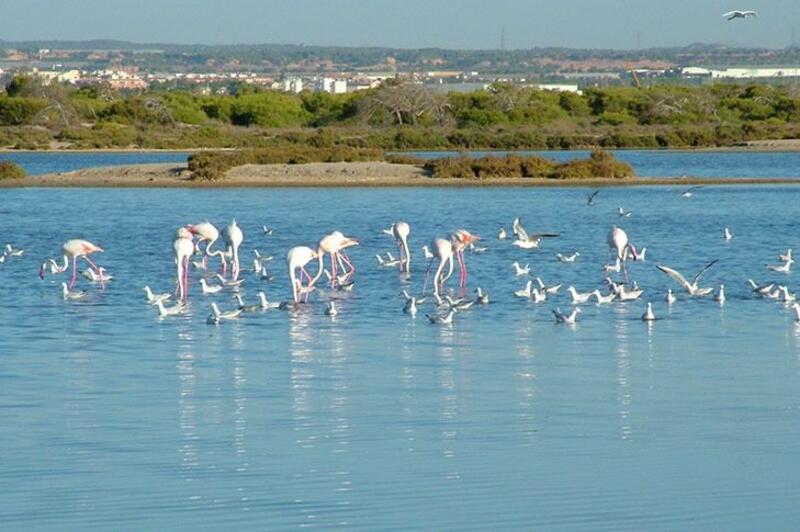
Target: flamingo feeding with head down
209 234
296 259
460 240
183 248
334 245
618 241
400 231
234 238
443 252
73 249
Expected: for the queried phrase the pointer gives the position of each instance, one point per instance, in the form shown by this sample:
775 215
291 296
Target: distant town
217 70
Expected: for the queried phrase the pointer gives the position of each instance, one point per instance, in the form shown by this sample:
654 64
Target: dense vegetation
213 165
397 116
11 170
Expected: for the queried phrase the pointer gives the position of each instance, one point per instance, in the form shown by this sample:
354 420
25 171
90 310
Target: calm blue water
647 163
373 420
667 163
48 162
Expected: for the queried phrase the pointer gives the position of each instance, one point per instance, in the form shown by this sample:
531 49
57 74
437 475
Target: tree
406 102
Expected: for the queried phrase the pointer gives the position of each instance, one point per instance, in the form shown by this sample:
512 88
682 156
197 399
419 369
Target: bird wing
519 231
538 236
701 272
690 189
676 276
592 195
731 14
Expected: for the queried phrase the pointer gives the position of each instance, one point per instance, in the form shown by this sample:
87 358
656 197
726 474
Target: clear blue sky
406 23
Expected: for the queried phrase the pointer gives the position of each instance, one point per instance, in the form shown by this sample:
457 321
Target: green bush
11 170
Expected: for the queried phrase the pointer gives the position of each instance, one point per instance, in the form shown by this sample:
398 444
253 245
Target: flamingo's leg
347 261
334 272
74 272
427 274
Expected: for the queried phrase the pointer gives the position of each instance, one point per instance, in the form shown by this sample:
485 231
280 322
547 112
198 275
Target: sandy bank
361 174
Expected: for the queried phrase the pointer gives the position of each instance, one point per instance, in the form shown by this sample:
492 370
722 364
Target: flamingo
400 231
460 240
233 239
618 241
296 259
73 249
334 245
443 252
183 248
209 234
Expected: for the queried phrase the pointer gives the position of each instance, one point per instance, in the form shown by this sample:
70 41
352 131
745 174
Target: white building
293 85
743 73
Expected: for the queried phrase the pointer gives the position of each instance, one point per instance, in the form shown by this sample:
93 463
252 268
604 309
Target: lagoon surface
647 163
114 418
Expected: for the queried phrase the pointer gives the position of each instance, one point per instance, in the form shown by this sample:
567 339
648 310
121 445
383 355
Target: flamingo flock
195 247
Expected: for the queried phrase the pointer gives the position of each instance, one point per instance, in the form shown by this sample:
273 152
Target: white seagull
265 303
786 257
692 288
603 300
547 289
569 319
154 298
730 15
217 315
72 295
623 213
537 296
786 267
519 270
525 292
720 297
567 258
330 310
482 297
526 241
447 319
670 297
577 297
174 310
210 288
501 234
648 313
727 235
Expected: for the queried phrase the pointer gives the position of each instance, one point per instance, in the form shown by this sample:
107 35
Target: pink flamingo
443 252
618 241
461 239
334 244
209 234
296 259
400 231
73 249
234 238
184 248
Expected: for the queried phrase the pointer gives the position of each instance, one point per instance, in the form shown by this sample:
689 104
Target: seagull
173 310
330 310
567 258
787 256
210 289
477 249
100 276
537 296
786 267
590 198
501 234
720 297
601 299
633 254
569 319
410 306
524 292
228 282
788 297
267 230
547 289
796 308
460 304
217 315
11 251
519 270
447 319
623 213
417 300
616 267
670 297
648 314
730 15
727 235
72 295
428 254
483 297
629 295
692 288
526 241
578 298
689 192
265 303
762 290
243 307
154 298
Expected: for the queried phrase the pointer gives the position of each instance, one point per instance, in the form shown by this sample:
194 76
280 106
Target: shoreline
338 175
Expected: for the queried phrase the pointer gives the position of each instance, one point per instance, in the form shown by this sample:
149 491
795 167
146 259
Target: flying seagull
590 198
692 288
730 15
525 240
